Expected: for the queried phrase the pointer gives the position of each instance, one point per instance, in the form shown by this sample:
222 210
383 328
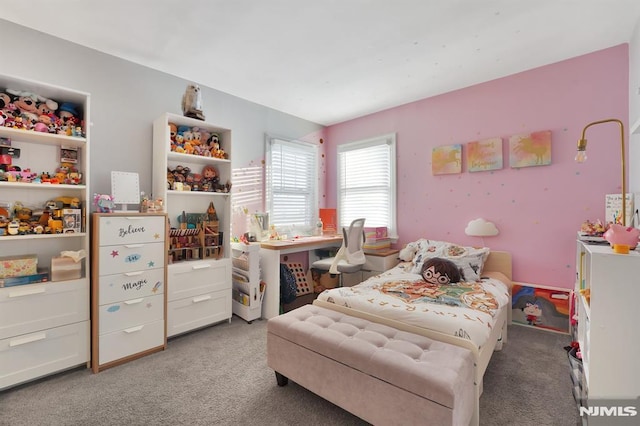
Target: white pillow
469 260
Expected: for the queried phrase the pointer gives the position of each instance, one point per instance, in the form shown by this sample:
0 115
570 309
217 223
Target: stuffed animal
408 252
437 270
192 102
104 203
5 100
53 105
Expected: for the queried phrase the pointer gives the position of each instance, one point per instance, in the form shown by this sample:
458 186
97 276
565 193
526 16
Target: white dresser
129 280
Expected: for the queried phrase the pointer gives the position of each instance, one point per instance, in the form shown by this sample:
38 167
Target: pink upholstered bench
378 373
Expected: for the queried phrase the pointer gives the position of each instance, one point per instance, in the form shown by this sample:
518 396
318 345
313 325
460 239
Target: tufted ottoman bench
380 374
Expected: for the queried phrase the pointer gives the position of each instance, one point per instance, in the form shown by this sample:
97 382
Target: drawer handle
133 274
201 298
133 329
133 301
196 267
134 245
28 339
38 290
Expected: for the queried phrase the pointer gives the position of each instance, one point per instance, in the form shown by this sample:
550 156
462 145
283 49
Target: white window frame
311 213
343 218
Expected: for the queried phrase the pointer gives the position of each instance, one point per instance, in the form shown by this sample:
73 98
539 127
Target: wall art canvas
446 159
541 307
530 149
484 155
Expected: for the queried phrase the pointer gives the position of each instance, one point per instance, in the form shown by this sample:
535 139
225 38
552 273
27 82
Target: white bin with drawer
37 354
199 294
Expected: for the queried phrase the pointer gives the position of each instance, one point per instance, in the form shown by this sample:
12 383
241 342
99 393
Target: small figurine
211 212
192 102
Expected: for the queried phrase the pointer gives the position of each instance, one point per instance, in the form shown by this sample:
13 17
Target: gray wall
126 98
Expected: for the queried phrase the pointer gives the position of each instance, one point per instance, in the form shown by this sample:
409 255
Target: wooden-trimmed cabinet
45 326
199 270
129 265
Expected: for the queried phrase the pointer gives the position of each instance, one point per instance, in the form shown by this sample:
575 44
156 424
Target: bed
473 315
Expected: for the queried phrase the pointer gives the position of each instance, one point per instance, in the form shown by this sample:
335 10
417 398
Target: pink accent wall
538 210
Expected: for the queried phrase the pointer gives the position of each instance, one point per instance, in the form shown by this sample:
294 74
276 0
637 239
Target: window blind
366 182
292 181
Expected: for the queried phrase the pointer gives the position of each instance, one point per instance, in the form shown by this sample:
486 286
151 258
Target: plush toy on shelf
104 203
192 102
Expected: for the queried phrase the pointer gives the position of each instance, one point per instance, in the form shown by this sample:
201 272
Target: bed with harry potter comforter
473 313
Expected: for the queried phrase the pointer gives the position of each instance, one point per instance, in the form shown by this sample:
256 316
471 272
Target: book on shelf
39 277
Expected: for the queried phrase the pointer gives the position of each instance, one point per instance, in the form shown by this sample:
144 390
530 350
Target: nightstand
375 264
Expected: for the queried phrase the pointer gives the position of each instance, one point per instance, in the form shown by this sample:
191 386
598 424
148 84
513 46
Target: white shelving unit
247 291
198 289
605 322
45 327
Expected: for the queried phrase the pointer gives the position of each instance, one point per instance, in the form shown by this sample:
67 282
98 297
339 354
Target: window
292 182
367 182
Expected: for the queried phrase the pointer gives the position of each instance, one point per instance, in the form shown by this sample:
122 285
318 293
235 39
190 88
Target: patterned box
374 233
18 266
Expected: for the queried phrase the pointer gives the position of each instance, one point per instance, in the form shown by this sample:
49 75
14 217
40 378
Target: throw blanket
464 310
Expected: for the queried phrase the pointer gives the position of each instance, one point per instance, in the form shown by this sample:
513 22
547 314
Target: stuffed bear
408 252
437 270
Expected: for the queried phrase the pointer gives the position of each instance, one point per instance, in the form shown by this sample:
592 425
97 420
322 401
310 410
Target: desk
270 252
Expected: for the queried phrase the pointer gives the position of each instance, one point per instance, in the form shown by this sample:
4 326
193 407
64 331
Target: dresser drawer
131 257
28 308
130 341
119 230
198 311
131 285
33 355
130 313
188 279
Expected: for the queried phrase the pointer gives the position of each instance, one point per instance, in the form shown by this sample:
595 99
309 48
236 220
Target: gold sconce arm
581 157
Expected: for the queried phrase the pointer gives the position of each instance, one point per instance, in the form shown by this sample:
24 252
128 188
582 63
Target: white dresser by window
129 279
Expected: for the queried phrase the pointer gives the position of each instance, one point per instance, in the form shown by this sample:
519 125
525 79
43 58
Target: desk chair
350 257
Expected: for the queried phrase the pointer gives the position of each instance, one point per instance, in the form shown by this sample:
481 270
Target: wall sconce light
581 157
481 228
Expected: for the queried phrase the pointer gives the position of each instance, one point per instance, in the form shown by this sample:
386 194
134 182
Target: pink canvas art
530 149
484 155
446 159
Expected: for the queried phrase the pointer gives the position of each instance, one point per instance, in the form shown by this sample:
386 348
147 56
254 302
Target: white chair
350 257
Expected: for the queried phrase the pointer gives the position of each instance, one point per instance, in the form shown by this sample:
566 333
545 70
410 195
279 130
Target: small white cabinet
199 280
606 332
375 264
44 327
128 297
248 290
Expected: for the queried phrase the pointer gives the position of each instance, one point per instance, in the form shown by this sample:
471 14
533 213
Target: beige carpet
218 376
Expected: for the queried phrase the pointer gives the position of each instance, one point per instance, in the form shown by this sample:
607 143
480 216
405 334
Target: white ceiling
329 61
